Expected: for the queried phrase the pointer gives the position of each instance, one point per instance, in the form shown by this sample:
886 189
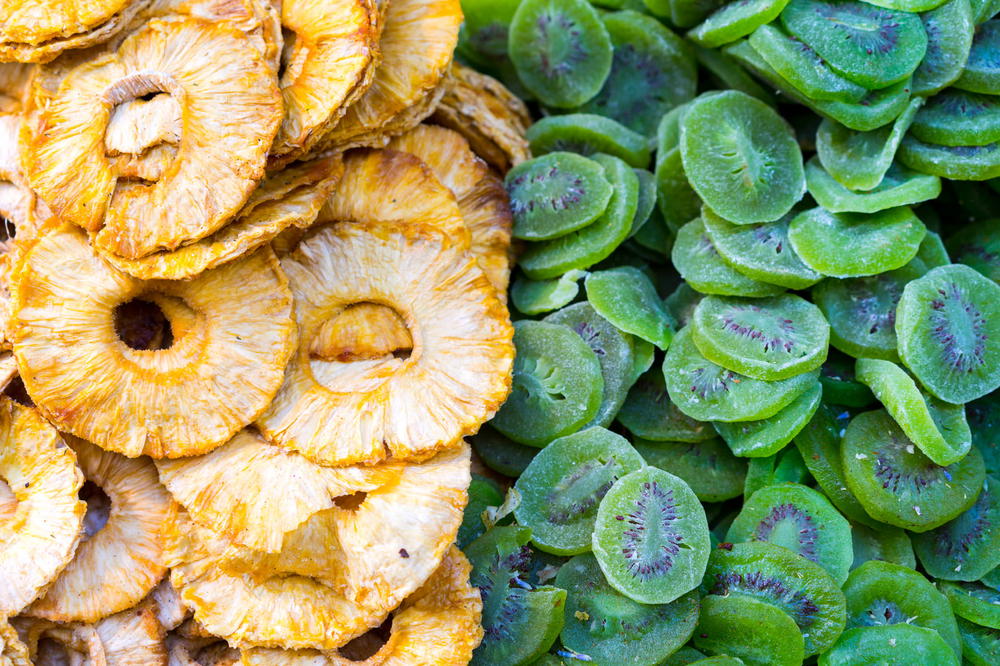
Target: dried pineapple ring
329 65
481 196
36 21
12 651
231 109
417 43
487 114
241 489
288 198
455 379
39 534
438 624
225 363
119 562
362 332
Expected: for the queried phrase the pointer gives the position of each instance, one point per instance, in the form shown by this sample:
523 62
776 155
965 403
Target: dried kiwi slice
730 74
557 385
735 20
561 50
647 201
764 338
948 327
788 581
978 245
500 453
974 602
873 46
708 392
588 134
899 485
648 413
533 297
949 29
982 71
899 187
882 543
937 428
758 439
839 384
741 157
563 485
611 628
483 492
699 263
555 194
856 244
678 203
891 644
747 631
626 297
958 118
709 467
651 537
981 644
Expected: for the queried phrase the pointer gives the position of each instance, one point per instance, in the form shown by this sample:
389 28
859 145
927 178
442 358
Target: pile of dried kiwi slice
755 415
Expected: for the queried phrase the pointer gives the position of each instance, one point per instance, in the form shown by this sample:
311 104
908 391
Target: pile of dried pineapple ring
253 271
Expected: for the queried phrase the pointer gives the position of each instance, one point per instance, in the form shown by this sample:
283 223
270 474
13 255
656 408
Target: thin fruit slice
981 645
899 485
977 245
981 73
362 332
757 439
120 558
677 202
950 29
741 158
899 187
958 118
484 493
317 410
840 387
750 631
954 162
626 297
883 543
564 484
34 22
735 20
937 428
41 521
895 644
532 297
708 392
588 134
948 326
651 537
765 338
974 602
708 467
215 346
703 268
649 413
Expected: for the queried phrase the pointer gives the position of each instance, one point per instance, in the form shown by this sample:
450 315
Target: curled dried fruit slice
126 364
231 108
417 44
287 199
40 514
455 377
120 558
482 200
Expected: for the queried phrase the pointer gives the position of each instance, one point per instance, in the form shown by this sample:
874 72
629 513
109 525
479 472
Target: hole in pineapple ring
98 509
141 325
351 502
362 332
51 651
367 644
15 391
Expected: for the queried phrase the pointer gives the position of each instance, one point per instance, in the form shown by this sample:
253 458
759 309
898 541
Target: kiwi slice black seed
709 467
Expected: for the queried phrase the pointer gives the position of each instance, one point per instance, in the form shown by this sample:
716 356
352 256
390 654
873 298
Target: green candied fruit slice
741 157
651 537
958 118
735 20
708 467
678 203
860 160
533 297
681 303
557 384
950 29
974 602
899 187
646 202
728 73
500 453
981 645
954 162
840 387
483 493
912 6
758 439
937 428
932 251
627 298
982 71
744 630
978 245
686 13
856 244
699 263
563 485
589 134
872 46
648 413
882 543
889 644
585 247
708 392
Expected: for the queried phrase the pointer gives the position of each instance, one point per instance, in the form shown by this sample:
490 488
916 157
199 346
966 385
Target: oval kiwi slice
958 118
677 202
735 20
741 157
557 384
611 628
709 467
708 392
651 537
948 327
626 297
728 73
949 29
800 519
589 134
747 631
981 644
533 297
898 484
982 71
937 428
978 245
500 453
882 543
870 45
955 162
764 338
561 50
784 579
563 485
893 644
899 187
699 263
648 413
757 439
555 194
974 602
968 547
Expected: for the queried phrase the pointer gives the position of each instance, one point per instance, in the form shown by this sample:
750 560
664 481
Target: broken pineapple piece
290 198
417 43
329 63
438 625
200 358
231 108
455 378
120 559
489 116
362 332
13 652
241 489
42 515
481 197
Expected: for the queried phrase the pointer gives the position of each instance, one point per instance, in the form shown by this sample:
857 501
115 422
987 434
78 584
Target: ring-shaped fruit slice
118 561
231 330
37 21
41 515
453 380
231 109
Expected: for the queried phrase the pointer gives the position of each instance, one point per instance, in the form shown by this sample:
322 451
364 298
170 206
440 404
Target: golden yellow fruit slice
13 652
